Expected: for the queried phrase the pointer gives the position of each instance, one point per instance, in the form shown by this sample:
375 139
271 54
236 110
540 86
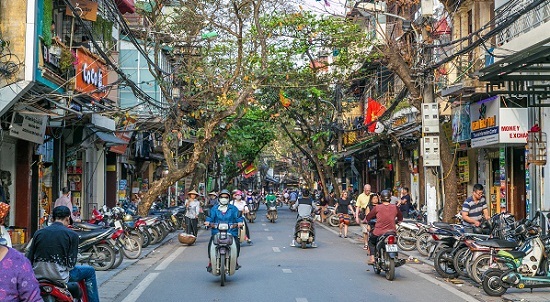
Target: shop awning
109 139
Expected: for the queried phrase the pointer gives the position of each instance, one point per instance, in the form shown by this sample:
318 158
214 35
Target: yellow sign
85 8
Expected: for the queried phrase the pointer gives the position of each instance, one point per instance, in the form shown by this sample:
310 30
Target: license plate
391 247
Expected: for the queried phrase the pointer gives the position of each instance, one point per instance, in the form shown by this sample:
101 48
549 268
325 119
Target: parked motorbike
52 291
222 254
385 256
525 267
96 249
406 235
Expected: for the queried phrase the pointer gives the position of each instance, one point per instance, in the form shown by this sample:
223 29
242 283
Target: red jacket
385 214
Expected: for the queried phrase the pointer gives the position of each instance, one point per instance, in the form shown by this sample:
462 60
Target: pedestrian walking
65 200
193 207
361 206
343 208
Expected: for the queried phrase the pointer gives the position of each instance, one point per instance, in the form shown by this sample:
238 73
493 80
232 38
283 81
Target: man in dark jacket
53 254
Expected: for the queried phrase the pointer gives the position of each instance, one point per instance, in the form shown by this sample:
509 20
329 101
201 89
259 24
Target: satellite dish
379 128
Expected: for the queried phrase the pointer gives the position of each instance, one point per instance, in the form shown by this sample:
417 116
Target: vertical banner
527 186
503 193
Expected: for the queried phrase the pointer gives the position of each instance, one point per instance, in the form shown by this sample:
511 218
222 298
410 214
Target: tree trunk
450 180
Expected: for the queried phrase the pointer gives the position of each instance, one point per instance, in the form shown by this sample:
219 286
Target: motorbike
271 212
385 256
96 249
52 291
525 267
251 214
222 253
304 233
406 235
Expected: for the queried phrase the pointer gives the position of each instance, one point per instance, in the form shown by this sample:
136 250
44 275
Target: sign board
513 127
29 127
87 8
91 75
125 135
461 123
484 122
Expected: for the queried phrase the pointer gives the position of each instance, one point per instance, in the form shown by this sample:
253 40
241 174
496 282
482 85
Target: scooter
525 267
406 235
271 212
385 257
251 214
223 252
52 291
304 233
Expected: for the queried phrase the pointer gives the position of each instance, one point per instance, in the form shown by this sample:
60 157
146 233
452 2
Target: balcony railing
528 21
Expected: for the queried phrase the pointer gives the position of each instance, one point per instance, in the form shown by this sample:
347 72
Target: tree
309 56
224 61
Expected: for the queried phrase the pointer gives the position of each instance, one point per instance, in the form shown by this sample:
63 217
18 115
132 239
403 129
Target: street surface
272 270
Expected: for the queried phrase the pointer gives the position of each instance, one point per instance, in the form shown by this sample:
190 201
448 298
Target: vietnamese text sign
29 127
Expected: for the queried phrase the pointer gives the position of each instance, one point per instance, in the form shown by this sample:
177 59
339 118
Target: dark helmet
305 192
225 192
385 195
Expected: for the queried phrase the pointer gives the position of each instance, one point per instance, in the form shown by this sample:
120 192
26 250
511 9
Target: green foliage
102 30
47 19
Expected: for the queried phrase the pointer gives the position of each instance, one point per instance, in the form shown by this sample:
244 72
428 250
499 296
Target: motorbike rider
385 214
306 207
270 198
243 209
224 212
53 254
250 201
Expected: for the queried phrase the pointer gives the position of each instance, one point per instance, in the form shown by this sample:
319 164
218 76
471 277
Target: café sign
91 74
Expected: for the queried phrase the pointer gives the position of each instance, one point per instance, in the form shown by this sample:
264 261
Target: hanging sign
29 127
85 8
91 75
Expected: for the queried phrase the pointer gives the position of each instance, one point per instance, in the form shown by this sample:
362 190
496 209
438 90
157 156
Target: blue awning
109 139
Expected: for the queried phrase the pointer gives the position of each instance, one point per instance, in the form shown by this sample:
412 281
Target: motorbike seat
498 243
46 280
86 226
443 225
517 254
74 289
85 235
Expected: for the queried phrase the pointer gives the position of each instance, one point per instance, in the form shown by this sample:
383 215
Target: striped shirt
474 210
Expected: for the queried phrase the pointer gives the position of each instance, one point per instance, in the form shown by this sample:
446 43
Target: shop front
499 135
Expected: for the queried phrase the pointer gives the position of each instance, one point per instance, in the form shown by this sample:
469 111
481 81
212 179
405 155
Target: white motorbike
223 252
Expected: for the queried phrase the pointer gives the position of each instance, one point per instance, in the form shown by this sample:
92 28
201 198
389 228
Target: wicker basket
186 238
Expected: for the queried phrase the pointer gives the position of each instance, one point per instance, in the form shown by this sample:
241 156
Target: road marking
140 288
444 285
169 259
269 238
287 271
263 224
267 230
301 300
276 249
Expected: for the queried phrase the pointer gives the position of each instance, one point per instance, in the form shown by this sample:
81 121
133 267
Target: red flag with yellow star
374 111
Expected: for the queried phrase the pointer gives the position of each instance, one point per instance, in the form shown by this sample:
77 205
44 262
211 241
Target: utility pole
431 144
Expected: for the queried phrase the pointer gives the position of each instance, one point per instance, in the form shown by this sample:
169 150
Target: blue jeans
86 272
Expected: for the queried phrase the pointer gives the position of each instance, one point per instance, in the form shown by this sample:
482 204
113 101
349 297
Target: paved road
272 271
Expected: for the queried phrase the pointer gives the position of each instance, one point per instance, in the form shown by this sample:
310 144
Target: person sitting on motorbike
474 208
224 212
386 215
306 208
271 199
243 209
53 254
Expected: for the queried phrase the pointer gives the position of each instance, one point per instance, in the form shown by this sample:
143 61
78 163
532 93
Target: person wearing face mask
224 212
240 203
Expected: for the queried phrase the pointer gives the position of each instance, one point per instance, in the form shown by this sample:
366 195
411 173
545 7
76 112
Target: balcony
525 23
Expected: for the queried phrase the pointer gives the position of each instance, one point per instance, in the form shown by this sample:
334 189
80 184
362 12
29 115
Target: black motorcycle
385 256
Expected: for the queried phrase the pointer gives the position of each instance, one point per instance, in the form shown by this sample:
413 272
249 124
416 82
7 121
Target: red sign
125 135
91 74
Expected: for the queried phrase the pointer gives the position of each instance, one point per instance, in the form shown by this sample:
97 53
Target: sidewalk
423 266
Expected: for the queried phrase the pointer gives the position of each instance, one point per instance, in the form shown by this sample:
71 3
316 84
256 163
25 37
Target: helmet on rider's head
305 192
128 217
385 196
238 192
224 192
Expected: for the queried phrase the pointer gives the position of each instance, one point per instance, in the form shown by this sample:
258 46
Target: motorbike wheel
443 263
222 269
405 241
334 221
492 284
303 244
423 244
119 257
137 236
390 273
103 257
155 235
460 259
146 238
131 248
48 298
376 269
479 266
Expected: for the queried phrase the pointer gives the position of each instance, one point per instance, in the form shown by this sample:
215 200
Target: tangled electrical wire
8 68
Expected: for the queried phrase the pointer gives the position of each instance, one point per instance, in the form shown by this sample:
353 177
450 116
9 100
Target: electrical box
430 118
431 149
